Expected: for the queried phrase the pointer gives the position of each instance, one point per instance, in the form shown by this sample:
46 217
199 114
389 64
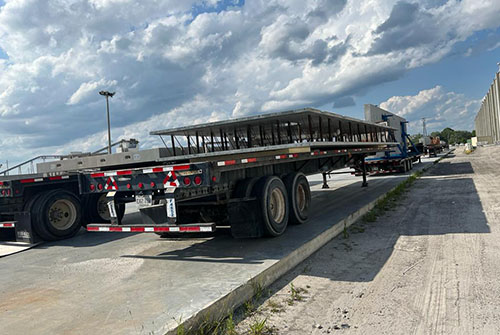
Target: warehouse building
487 119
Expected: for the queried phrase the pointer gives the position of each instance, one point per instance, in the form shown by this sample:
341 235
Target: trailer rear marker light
197 180
140 185
129 186
214 179
187 181
153 185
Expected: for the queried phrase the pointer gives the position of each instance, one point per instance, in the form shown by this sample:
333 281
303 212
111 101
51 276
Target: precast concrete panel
487 120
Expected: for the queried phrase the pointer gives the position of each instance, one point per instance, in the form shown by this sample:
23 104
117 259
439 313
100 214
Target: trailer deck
204 177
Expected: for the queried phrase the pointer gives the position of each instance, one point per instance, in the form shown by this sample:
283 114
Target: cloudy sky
176 63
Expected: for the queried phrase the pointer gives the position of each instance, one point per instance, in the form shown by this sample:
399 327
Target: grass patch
390 199
275 307
261 328
295 294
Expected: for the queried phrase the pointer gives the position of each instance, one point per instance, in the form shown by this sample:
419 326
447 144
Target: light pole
108 95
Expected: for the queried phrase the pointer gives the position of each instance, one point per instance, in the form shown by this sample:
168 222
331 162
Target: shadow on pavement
448 206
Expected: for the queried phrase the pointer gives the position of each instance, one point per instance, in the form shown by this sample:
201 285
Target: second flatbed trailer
248 173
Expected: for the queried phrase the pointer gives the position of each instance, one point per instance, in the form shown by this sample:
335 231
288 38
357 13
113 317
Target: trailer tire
58 215
95 209
31 206
273 200
299 197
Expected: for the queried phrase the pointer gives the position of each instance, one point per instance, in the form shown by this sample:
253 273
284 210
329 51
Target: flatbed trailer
402 157
247 173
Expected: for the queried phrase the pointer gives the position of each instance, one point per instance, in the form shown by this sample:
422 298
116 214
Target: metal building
487 121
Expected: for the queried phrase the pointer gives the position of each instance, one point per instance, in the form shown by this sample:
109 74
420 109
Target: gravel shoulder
428 266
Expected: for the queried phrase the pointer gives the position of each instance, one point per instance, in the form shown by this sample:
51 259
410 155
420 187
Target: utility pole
108 95
424 129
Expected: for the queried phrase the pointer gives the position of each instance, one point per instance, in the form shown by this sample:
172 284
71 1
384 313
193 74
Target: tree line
448 135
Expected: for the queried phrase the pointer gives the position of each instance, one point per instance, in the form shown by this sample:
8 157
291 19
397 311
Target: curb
228 303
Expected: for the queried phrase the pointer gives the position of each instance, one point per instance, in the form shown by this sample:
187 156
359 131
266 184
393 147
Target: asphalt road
112 283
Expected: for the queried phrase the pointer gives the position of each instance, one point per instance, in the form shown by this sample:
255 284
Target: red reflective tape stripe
231 162
24 181
1 183
159 229
115 228
122 173
158 169
92 228
55 178
136 229
96 175
295 155
189 228
184 167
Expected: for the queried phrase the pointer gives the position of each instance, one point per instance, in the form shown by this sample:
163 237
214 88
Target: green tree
447 134
416 138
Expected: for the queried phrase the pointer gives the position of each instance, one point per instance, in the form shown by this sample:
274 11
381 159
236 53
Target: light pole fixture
108 95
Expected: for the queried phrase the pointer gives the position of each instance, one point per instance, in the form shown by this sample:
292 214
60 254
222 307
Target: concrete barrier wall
487 122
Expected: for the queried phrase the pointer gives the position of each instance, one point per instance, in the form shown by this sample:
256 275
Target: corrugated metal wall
487 122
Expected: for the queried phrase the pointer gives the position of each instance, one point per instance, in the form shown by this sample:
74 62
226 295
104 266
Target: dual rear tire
280 201
55 214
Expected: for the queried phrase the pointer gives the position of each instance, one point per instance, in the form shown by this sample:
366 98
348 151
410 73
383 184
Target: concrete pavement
112 283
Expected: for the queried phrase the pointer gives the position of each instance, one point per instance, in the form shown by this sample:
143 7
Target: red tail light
100 187
197 180
92 187
187 181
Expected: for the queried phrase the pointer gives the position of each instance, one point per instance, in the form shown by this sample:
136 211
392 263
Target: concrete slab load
107 283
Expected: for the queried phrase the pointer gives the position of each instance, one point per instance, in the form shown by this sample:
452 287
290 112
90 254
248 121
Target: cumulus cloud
177 62
441 109
86 90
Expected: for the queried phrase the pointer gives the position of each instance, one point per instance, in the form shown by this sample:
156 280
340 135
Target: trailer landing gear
365 183
325 184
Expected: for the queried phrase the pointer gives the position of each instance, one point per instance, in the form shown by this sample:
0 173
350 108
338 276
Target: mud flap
245 218
24 229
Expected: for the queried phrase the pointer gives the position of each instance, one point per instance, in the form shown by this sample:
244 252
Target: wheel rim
62 214
301 198
102 208
277 205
